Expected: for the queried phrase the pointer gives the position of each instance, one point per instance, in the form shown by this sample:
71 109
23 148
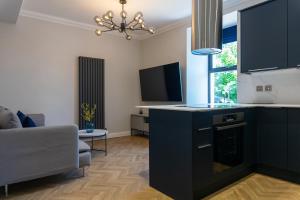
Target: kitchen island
197 150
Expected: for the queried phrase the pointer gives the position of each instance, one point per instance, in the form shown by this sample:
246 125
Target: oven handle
222 128
204 146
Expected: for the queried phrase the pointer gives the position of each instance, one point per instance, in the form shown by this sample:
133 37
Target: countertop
211 107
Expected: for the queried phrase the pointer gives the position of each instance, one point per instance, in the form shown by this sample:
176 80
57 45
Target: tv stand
139 124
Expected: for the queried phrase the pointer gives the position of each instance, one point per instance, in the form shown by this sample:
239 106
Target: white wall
197 75
39 71
285 84
286 87
172 46
166 48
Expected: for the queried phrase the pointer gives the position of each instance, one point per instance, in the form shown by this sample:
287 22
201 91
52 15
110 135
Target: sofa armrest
31 153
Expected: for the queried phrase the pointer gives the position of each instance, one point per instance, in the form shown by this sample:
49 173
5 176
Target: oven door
228 146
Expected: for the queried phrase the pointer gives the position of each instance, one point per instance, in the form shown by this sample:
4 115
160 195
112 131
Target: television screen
161 83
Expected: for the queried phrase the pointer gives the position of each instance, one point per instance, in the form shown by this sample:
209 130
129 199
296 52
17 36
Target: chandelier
125 27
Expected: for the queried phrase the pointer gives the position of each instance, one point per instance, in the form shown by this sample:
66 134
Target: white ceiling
158 13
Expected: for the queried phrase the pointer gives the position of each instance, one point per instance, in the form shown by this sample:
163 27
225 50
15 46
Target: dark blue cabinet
293 33
279 138
264 37
170 153
180 152
250 139
202 158
182 149
202 150
294 140
272 137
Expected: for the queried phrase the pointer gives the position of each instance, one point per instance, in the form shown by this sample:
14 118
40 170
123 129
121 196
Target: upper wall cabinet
293 33
263 36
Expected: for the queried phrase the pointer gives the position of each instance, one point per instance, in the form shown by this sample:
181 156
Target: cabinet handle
204 146
263 69
204 129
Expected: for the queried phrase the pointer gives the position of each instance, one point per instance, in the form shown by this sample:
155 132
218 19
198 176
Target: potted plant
88 115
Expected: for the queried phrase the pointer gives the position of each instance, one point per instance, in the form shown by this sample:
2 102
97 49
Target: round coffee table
98 133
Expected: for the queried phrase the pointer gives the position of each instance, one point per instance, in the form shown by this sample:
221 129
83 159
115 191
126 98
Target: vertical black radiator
91 88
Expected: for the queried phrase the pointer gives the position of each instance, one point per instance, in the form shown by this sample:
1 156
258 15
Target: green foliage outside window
225 83
228 57
226 87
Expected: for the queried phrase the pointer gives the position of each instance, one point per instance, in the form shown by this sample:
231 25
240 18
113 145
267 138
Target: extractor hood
207 20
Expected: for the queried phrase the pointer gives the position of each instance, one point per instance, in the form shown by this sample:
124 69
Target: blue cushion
29 123
26 121
21 116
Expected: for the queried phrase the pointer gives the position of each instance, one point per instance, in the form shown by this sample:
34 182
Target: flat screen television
162 83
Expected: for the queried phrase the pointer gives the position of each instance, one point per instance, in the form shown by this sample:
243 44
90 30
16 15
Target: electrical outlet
268 88
259 88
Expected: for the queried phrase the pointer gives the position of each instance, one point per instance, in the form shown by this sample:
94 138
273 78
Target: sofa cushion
21 116
83 147
8 119
29 123
26 121
84 159
39 119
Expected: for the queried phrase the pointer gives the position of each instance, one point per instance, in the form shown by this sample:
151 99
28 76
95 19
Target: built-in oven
228 137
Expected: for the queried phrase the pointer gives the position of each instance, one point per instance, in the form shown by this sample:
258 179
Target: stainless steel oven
228 140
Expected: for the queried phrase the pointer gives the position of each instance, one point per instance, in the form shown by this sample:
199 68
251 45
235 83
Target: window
222 70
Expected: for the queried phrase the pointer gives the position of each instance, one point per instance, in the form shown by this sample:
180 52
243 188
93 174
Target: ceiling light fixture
137 24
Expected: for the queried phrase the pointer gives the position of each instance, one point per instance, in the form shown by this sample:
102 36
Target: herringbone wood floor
123 175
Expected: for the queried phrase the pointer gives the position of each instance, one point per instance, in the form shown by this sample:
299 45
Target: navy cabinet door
272 137
170 153
264 37
202 157
250 139
294 140
293 33
202 149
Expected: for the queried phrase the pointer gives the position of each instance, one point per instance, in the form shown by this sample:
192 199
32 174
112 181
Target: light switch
268 88
259 88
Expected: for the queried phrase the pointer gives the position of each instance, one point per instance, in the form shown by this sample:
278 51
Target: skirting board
118 134
111 135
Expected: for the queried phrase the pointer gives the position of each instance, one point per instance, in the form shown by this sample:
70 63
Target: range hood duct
207 23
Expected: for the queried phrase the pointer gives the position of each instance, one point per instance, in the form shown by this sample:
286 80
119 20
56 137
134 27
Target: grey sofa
31 153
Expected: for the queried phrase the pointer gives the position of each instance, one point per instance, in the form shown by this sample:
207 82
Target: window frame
229 36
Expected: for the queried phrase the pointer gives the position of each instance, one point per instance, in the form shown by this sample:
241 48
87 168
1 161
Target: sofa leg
6 190
83 172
